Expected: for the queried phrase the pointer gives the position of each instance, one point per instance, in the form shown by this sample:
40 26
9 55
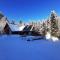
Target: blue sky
28 9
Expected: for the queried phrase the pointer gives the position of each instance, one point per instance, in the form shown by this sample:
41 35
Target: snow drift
49 37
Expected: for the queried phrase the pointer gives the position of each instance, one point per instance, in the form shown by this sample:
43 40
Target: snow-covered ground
15 47
49 37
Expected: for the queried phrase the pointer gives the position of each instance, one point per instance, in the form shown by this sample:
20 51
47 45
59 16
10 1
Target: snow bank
49 37
54 38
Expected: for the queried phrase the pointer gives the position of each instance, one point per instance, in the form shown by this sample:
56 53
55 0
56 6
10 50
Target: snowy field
15 47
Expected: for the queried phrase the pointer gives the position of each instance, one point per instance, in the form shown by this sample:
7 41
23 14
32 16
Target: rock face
4 28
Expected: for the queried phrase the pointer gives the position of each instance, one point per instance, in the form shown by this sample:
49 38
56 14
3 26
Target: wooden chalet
29 30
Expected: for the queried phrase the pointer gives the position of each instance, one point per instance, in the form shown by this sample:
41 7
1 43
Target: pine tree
54 24
20 21
44 28
13 22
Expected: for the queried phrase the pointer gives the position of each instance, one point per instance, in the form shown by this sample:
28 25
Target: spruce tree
54 24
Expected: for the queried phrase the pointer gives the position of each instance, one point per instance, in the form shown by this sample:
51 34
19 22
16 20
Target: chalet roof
15 27
27 28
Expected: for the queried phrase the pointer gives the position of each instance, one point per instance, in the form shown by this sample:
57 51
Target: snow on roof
15 27
27 28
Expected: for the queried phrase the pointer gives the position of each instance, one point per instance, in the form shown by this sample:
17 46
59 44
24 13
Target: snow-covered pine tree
54 23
